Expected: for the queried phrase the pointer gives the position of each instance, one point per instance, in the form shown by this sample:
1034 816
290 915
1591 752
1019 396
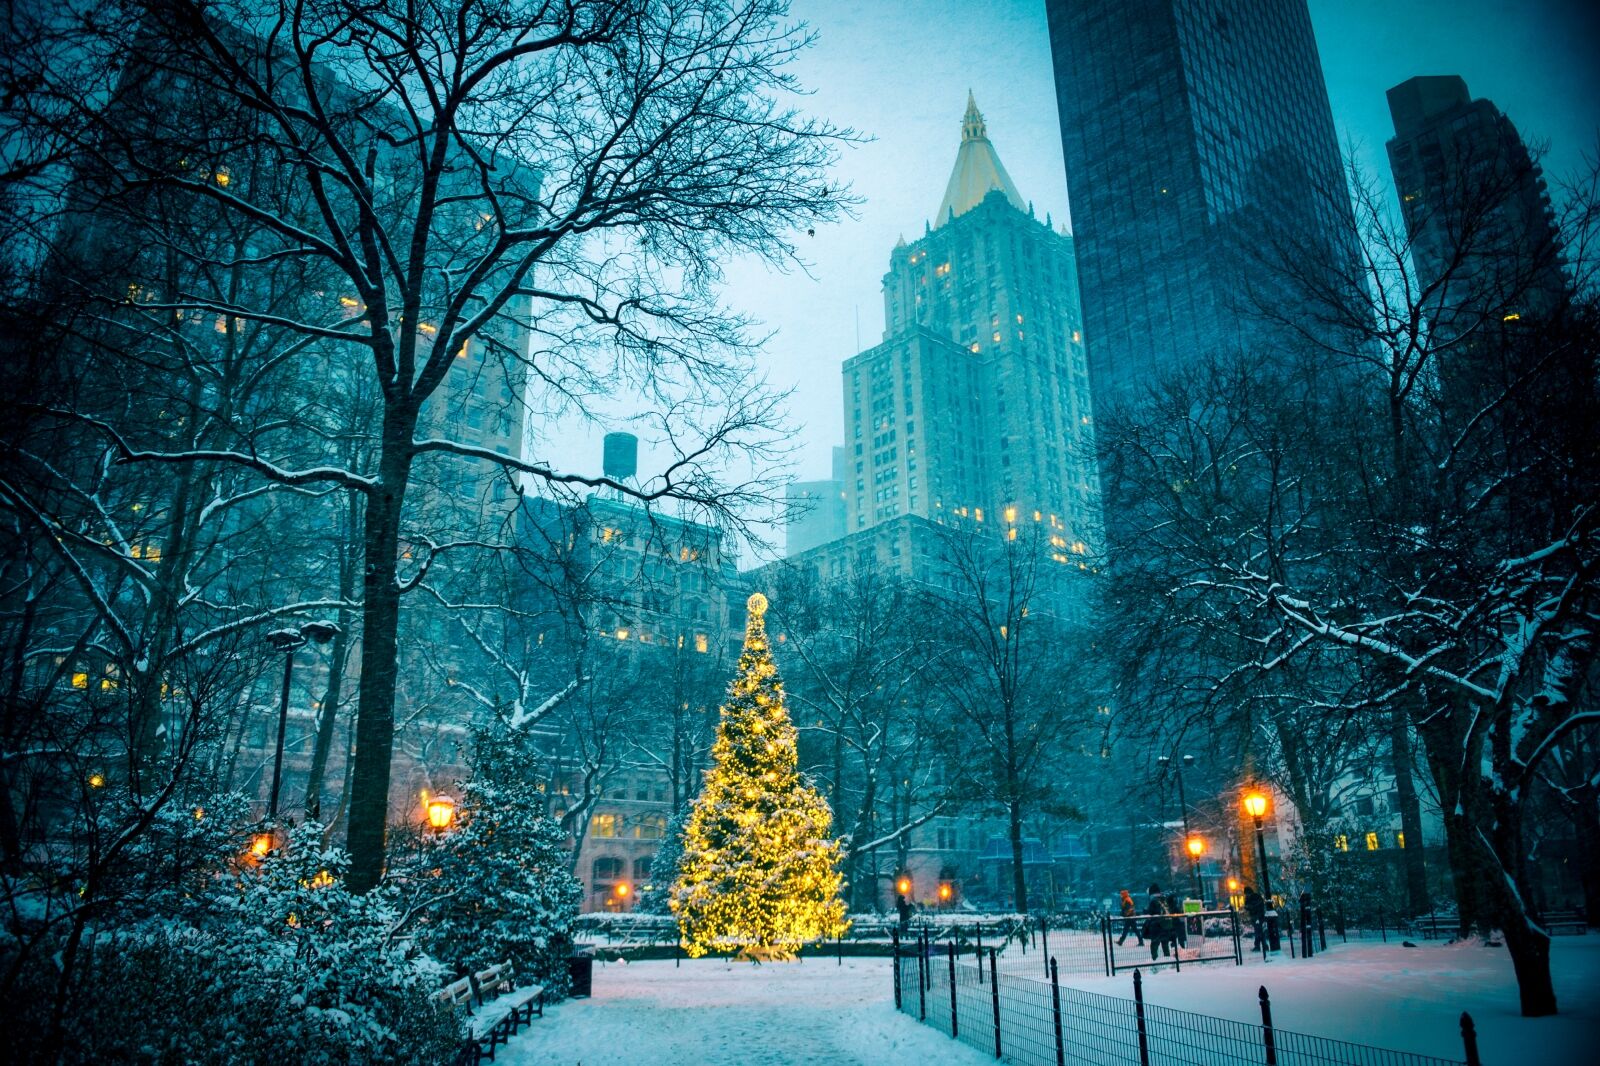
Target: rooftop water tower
620 459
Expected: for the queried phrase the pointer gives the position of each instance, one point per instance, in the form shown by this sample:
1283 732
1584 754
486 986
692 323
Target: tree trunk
1411 855
1019 880
328 720
380 620
1530 958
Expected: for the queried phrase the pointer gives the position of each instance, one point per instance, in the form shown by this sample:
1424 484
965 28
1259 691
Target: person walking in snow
1155 927
1179 925
1256 908
1130 919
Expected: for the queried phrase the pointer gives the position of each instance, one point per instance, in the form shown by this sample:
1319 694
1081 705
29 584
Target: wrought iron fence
1035 1022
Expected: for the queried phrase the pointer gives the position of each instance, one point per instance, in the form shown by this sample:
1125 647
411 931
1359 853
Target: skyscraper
1474 201
976 403
1193 135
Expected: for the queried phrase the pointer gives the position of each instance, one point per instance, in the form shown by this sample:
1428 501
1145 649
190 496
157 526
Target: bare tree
547 186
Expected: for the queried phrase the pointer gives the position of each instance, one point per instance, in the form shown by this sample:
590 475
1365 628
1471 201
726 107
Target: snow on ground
1395 997
1405 999
721 1014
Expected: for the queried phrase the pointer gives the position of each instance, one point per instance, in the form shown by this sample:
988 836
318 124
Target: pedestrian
1256 908
1179 925
1130 919
1155 926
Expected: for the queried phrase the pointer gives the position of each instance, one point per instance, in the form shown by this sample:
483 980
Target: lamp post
441 812
1197 848
1183 807
288 641
1256 804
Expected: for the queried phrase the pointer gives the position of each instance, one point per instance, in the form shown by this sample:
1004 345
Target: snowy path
722 1014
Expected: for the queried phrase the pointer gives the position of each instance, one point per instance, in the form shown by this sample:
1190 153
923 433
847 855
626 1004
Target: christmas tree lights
760 871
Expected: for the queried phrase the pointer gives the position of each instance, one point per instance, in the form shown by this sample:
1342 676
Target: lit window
349 301
622 634
1400 840
223 177
941 270
1011 514
1341 842
701 643
603 825
80 680
1372 841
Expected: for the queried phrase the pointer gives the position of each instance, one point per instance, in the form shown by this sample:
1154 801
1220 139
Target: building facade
976 405
1195 135
1483 237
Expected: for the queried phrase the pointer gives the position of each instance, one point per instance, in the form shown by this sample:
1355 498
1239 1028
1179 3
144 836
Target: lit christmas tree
759 870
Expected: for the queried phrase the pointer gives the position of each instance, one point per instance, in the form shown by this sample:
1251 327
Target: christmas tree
759 871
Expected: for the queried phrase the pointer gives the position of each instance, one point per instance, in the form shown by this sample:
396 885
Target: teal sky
899 70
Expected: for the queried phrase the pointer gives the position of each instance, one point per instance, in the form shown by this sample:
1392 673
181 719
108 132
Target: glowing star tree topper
760 869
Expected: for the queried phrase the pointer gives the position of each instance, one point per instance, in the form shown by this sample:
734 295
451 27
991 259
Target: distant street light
1183 808
288 641
1256 804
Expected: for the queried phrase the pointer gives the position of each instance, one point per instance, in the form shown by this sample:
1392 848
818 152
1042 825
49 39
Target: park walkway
719 1013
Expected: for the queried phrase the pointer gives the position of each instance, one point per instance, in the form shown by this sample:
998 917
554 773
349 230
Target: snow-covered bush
497 885
268 961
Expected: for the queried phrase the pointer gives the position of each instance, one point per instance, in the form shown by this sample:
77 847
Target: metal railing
1024 1020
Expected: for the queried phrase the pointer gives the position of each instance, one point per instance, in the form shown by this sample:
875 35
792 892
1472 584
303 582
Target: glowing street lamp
261 845
620 891
1196 846
1256 804
97 780
903 886
441 812
945 892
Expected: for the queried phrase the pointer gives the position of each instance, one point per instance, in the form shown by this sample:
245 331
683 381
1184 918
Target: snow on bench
503 1008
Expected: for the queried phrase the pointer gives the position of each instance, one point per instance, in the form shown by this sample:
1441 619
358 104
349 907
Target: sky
898 71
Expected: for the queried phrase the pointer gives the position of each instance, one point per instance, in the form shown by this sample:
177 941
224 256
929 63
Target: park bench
1565 923
502 1009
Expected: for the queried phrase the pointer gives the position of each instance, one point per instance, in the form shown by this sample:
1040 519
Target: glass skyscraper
1198 138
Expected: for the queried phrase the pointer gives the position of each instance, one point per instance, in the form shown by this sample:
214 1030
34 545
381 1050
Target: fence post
955 1029
1044 933
677 954
922 978
838 945
1138 1015
977 932
896 935
1110 949
1469 1038
994 995
1238 940
1267 1037
1055 1006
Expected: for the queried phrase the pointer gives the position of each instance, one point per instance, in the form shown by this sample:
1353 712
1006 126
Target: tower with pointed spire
975 405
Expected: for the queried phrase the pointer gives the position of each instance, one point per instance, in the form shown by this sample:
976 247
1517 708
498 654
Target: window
603 825
641 868
1372 841
607 868
1400 840
650 827
701 643
1341 842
